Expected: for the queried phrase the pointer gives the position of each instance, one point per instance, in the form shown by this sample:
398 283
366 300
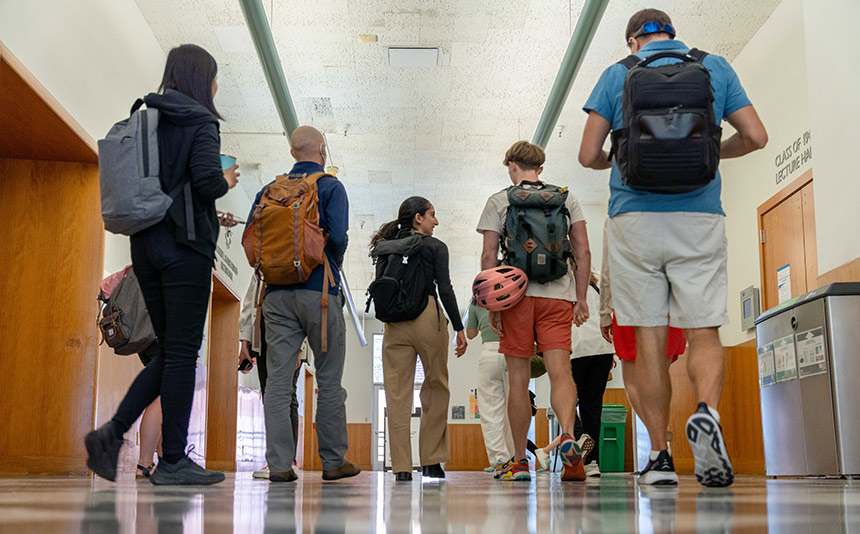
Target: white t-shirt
493 219
587 339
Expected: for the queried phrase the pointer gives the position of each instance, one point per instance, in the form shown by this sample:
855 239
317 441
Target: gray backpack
132 198
124 322
535 236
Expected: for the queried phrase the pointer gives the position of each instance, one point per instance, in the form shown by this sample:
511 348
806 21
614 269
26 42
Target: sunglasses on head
655 27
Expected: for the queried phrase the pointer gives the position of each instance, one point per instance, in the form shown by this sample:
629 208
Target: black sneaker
660 471
103 450
713 467
184 473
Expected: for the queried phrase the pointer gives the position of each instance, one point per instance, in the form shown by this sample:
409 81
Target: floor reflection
464 502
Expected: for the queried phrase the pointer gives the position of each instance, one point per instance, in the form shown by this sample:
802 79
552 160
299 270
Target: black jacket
189 144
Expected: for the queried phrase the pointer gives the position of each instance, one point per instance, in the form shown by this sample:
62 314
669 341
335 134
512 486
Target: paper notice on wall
811 352
786 360
766 366
783 282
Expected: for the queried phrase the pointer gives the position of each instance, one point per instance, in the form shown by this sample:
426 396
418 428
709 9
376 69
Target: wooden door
223 384
787 238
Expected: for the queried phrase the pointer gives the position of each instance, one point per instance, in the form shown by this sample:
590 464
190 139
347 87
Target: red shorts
624 339
536 320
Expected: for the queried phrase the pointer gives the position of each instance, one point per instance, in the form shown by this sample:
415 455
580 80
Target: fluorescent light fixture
407 56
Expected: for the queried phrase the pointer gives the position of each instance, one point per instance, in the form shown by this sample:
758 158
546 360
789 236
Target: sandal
146 472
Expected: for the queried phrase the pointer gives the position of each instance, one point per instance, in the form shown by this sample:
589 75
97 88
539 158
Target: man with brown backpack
296 238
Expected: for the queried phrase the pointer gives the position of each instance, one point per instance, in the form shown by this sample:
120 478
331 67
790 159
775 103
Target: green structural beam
261 34
580 40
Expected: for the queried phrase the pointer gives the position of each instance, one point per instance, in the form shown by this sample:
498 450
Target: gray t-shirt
493 219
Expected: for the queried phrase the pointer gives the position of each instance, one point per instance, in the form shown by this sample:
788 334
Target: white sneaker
262 473
592 470
542 460
586 445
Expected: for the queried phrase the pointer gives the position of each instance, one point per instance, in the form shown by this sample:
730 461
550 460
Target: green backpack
535 236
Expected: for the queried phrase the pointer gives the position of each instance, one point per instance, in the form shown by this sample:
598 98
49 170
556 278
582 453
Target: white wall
833 80
772 69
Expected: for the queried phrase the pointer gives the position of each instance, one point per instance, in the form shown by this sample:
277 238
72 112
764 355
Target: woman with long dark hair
173 262
426 336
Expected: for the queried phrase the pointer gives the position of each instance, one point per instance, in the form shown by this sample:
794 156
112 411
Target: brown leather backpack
283 241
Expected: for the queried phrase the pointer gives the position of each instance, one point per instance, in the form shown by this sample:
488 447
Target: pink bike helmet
500 288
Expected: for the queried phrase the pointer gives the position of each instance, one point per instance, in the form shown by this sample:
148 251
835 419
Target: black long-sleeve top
189 145
434 261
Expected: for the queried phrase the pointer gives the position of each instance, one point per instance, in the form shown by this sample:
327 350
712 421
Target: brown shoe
285 476
348 469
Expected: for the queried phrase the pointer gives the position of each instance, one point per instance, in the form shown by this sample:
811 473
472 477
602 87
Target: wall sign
783 282
793 157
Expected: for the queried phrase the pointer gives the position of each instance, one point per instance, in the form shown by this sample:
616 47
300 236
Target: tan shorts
668 268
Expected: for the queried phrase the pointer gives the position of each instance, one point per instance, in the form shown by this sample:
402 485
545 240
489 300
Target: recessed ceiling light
406 56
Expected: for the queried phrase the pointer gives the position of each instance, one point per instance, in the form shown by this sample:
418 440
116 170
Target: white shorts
668 268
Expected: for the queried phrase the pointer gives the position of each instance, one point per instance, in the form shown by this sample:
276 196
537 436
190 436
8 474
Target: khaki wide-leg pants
427 337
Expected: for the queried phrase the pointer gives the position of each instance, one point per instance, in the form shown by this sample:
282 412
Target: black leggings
175 281
590 374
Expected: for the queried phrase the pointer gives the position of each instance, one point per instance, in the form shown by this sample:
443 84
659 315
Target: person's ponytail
405 218
386 231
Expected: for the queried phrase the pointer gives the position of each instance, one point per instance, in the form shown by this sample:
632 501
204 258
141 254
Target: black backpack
669 142
399 292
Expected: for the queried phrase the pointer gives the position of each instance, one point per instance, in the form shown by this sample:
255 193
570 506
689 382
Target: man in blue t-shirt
667 254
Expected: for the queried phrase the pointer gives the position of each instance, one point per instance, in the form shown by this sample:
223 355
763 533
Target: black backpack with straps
399 291
670 141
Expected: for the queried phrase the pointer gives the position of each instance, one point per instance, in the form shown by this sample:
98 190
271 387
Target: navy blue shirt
605 99
334 220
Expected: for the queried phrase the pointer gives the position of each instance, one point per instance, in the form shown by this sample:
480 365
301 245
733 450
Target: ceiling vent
411 56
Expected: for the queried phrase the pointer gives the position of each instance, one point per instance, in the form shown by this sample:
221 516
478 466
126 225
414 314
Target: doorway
788 254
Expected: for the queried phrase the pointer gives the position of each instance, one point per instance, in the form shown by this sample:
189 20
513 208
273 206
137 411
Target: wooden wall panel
619 396
34 125
541 428
360 436
847 272
223 387
50 267
468 452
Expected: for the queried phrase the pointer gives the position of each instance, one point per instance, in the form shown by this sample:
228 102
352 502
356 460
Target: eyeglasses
654 27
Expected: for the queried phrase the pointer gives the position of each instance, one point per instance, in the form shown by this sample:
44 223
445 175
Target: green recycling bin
612 423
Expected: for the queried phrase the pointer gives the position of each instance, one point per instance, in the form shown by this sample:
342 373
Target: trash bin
611 443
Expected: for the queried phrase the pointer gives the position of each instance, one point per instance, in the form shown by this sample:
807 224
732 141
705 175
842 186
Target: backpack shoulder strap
630 61
697 54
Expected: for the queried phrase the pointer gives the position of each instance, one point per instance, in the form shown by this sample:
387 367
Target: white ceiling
441 132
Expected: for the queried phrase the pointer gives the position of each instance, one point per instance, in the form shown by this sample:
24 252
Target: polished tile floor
464 502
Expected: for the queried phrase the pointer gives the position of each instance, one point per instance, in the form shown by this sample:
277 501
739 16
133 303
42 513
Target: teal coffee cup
227 162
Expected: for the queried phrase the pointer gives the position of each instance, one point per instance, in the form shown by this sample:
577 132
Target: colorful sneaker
586 445
571 458
541 460
659 472
592 470
517 471
501 467
713 467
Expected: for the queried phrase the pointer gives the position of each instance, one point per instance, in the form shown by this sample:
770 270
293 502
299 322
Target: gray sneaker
184 473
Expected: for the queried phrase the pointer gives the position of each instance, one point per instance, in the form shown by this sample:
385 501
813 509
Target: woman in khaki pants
425 336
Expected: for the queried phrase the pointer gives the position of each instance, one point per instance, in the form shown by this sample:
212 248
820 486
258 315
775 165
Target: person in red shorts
546 313
623 339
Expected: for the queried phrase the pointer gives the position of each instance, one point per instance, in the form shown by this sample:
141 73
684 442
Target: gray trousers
292 315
